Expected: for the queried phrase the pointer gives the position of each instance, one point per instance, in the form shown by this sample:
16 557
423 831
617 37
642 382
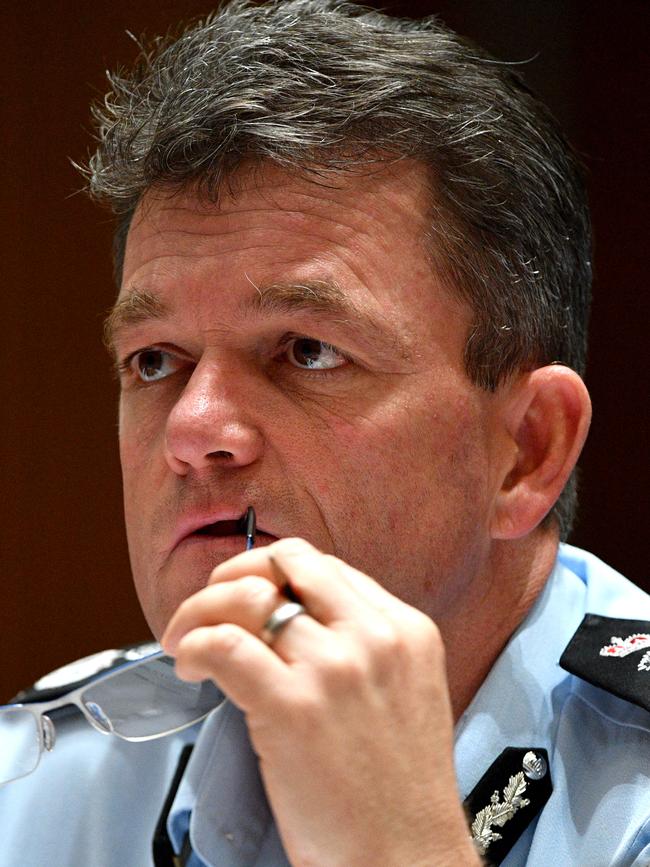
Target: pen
249 522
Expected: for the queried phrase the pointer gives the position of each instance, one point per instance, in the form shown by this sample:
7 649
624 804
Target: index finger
321 582
256 561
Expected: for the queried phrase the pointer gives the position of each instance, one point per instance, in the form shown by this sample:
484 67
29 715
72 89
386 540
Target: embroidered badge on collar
506 799
623 647
620 672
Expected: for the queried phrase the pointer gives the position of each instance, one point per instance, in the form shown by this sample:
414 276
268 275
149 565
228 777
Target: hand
348 711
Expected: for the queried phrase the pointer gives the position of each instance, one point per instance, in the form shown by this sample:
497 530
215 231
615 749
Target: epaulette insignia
606 652
506 799
82 671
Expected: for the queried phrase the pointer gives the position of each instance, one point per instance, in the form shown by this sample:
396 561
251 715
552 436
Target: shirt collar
517 704
221 798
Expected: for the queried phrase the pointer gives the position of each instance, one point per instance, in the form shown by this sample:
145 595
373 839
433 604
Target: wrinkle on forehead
406 184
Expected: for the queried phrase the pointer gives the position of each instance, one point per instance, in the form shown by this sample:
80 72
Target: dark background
66 589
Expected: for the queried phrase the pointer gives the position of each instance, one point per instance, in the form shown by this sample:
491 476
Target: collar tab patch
607 652
506 799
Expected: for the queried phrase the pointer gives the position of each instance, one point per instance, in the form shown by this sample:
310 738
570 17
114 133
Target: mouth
236 530
220 528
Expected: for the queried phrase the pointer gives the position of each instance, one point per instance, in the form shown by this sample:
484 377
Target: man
353 259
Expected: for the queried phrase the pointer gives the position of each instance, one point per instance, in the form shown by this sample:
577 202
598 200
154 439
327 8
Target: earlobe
547 417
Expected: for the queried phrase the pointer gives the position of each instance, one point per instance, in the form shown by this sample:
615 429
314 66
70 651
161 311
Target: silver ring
282 615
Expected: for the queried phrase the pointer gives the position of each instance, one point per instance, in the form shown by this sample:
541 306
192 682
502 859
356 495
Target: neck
495 603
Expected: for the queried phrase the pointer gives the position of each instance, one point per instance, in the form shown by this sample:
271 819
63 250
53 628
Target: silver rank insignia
506 799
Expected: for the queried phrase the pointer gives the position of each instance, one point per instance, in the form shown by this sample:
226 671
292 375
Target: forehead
366 234
370 210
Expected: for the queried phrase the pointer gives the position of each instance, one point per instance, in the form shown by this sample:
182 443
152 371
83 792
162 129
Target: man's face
292 349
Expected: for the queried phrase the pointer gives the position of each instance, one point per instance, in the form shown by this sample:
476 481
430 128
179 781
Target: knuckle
421 625
390 648
333 562
430 634
291 546
427 640
384 636
226 639
342 668
396 644
208 643
255 591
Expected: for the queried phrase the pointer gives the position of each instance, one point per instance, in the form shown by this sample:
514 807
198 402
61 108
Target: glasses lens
20 746
147 699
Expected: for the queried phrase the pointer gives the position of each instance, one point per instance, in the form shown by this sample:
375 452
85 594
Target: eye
151 365
310 354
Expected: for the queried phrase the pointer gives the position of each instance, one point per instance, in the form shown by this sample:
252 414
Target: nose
210 424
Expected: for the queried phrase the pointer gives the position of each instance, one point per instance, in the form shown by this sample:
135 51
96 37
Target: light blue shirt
95 800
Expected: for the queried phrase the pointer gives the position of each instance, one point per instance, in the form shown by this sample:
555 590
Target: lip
190 523
228 545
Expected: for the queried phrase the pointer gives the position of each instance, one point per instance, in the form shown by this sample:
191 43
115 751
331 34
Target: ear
546 414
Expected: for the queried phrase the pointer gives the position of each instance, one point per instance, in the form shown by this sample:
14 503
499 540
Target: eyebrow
327 299
318 297
137 307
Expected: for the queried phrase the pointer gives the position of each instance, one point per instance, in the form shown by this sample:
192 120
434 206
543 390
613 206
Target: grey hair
326 86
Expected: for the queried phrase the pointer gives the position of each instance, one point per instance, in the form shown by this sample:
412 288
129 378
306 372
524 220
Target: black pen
249 526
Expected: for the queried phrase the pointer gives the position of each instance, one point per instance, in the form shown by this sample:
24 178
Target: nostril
199 440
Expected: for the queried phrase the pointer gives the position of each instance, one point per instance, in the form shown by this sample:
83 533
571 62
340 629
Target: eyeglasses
138 701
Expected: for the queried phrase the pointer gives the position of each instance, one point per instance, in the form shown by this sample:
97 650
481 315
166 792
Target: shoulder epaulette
81 671
613 654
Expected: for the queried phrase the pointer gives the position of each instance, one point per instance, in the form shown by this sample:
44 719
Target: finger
318 580
300 639
331 589
253 562
307 645
243 667
247 602
257 560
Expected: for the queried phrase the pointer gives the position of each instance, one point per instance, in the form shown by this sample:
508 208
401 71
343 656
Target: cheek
422 457
143 469
141 428
442 434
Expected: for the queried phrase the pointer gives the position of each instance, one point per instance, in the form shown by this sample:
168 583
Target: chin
160 601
